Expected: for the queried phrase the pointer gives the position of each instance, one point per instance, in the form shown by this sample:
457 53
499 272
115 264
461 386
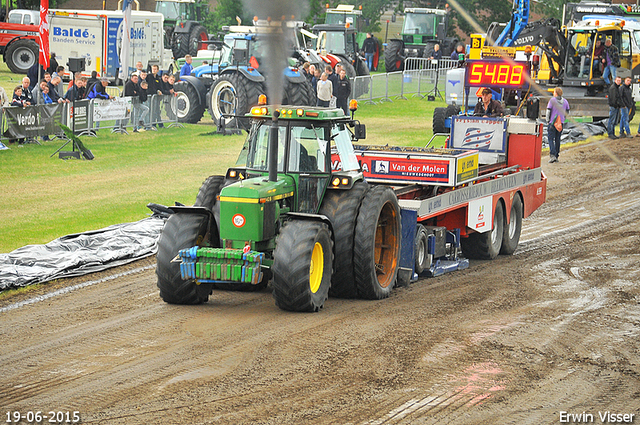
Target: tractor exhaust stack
273 148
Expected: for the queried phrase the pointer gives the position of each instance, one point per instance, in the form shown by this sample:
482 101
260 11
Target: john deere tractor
282 214
183 31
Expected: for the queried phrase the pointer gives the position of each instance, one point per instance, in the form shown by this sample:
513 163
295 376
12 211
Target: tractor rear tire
188 105
298 94
421 249
234 95
486 246
180 231
341 208
197 37
208 198
512 229
180 45
21 55
302 264
393 54
376 245
439 117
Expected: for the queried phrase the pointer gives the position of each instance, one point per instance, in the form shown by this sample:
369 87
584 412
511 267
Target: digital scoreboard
498 73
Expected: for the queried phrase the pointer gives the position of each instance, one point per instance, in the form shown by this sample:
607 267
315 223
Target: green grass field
43 197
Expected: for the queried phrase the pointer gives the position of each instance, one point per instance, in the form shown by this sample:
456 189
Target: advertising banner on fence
81 121
116 109
34 121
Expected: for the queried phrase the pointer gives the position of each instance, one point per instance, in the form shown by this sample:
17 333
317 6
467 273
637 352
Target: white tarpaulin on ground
80 253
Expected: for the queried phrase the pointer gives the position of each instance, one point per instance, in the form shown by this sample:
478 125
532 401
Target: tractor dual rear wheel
341 208
376 250
512 229
302 266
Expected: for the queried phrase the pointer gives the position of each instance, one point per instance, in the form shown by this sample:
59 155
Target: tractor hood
249 210
258 190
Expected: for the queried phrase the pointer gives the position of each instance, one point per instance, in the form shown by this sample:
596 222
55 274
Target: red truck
19 40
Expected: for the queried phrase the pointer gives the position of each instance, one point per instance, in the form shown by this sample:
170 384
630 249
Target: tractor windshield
337 18
420 23
307 150
171 10
335 42
258 148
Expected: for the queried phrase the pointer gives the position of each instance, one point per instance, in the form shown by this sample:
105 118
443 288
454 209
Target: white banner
483 134
115 109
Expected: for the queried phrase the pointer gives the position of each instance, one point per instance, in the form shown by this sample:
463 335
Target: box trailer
96 35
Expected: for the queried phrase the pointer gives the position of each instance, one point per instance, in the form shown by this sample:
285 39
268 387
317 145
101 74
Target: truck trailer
96 35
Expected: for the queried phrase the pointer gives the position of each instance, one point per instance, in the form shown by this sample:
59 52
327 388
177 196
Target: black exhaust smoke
278 48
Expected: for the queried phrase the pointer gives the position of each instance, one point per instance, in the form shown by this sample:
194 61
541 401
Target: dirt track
521 339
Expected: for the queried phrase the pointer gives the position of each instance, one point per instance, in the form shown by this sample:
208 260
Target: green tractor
183 31
282 214
421 30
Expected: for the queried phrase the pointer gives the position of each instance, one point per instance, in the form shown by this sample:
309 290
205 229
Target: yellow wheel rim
316 269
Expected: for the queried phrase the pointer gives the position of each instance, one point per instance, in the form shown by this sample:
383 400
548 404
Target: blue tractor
231 85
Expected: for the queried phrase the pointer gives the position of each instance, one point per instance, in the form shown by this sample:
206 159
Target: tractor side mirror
441 31
393 18
360 131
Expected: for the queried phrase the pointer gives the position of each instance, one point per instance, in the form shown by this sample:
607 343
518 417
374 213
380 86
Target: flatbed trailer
484 184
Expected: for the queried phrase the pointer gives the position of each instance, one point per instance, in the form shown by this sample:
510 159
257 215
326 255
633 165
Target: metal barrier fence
421 78
117 115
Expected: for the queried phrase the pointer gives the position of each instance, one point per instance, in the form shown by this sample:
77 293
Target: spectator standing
4 99
59 72
91 81
343 92
17 97
54 89
187 67
311 72
611 60
38 91
369 47
142 93
331 76
459 50
35 74
131 89
155 91
314 82
167 94
27 96
614 107
558 107
74 92
435 53
626 104
305 70
325 90
99 90
53 63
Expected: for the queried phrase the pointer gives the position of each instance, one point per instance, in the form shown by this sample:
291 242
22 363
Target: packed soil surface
531 338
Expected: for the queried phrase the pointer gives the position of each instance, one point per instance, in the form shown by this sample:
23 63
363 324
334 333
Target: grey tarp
574 132
80 253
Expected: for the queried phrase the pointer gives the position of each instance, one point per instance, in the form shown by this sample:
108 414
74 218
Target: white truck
96 35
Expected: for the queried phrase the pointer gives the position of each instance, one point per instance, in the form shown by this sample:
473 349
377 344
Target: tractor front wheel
180 231
21 55
302 266
376 245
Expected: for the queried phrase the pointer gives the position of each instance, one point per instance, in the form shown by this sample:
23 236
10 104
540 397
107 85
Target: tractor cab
586 39
305 139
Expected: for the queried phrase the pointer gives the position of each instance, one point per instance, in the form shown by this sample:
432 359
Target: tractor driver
487 107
